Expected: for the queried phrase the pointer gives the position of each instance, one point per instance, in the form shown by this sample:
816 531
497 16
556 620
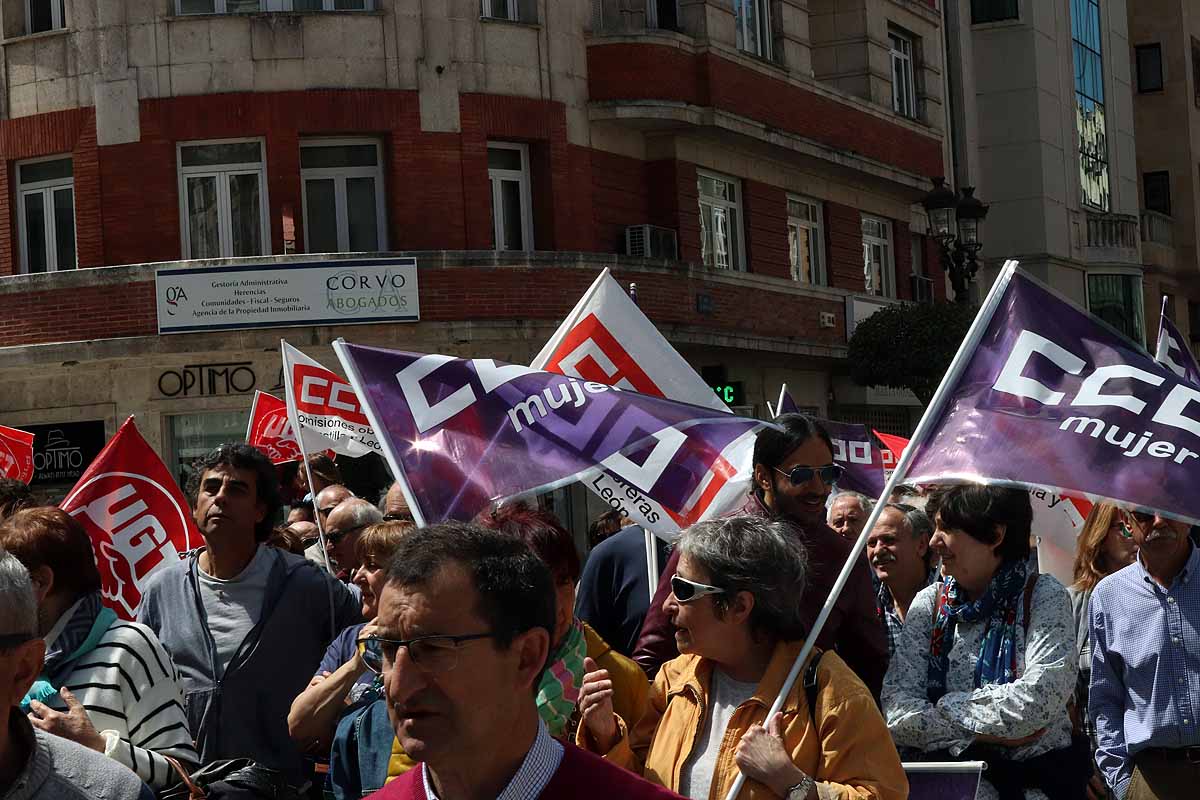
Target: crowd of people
334 649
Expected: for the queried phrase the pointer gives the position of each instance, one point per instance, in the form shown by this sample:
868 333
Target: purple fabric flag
854 450
786 404
467 433
1174 354
1052 397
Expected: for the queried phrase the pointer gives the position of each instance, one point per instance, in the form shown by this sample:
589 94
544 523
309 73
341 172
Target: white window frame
887 266
220 7
738 256
514 11
763 13
817 232
224 205
339 176
46 189
57 15
904 85
495 176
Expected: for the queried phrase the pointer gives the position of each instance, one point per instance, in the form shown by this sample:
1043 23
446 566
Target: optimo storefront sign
279 295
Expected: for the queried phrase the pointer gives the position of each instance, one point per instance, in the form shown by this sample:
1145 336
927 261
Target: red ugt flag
16 454
271 431
134 513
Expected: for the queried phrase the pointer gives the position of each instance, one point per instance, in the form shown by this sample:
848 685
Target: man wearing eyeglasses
793 476
346 522
35 765
463 635
1145 686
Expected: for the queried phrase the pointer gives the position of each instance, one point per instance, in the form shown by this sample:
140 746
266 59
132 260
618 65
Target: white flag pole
1162 315
924 428
290 399
384 443
253 409
651 562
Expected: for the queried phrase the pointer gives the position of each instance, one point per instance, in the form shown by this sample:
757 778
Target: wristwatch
801 790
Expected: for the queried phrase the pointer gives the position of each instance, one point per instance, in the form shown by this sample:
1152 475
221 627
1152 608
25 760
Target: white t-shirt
234 606
725 695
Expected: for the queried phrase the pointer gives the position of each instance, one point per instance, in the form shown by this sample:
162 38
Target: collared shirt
539 766
1145 687
886 605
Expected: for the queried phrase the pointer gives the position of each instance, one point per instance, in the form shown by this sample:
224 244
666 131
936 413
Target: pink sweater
580 776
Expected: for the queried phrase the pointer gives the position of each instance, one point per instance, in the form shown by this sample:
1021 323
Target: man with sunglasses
1145 686
35 765
346 522
793 476
463 635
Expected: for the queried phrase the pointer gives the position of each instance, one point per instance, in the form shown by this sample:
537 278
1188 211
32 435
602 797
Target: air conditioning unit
651 241
922 289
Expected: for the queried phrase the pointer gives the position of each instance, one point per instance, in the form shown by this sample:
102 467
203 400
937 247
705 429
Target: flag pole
1162 315
355 379
290 399
928 420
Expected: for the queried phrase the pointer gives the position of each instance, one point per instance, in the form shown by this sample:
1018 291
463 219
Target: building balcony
1158 240
1112 239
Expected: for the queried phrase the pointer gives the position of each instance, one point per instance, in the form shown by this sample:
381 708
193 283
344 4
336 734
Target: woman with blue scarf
985 666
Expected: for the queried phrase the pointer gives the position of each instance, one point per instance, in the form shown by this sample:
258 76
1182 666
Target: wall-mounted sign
208 380
63 450
281 295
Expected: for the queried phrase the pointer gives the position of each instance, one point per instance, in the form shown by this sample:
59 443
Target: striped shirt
1145 689
131 691
539 766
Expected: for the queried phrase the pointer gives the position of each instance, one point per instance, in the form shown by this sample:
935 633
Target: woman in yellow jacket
734 604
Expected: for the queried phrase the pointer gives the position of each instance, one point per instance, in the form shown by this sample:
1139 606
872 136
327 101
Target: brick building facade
513 149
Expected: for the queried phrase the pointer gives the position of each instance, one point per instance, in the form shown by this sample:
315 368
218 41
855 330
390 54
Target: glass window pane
41 16
203 218
341 155
197 6
39 171
207 155
246 212
735 259
504 158
362 216
510 201
720 238
350 5
706 234
496 8
35 232
320 215
243 6
307 5
64 227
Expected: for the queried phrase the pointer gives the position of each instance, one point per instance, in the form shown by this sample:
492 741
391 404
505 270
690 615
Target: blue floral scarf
998 608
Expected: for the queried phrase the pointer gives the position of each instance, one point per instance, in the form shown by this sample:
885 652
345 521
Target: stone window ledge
30 37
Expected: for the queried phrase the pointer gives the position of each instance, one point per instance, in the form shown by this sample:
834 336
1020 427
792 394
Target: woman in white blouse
985 666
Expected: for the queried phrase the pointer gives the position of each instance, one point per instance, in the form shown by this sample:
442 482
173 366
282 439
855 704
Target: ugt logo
135 527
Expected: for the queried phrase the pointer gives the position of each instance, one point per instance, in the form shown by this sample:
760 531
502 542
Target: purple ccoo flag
1173 353
854 449
463 434
1050 396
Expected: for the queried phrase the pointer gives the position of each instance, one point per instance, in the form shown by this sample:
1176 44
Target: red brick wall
902 258
650 71
668 298
765 223
619 198
845 247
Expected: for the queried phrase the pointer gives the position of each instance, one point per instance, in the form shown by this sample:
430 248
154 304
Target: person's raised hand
596 708
761 756
75 724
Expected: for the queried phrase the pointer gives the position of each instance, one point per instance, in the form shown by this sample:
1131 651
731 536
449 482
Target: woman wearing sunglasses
986 663
739 629
1104 546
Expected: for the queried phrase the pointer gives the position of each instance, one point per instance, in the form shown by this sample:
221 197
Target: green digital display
732 393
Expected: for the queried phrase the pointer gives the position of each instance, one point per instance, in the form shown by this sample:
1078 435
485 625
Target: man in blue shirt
1145 689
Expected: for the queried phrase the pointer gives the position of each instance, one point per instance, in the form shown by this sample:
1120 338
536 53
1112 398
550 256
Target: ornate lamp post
954 222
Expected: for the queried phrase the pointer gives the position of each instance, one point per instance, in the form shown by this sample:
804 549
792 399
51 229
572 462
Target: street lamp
954 222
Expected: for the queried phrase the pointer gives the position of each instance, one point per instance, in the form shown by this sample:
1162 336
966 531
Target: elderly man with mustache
898 549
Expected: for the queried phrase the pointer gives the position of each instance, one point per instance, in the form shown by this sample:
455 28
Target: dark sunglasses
333 537
399 516
686 591
802 475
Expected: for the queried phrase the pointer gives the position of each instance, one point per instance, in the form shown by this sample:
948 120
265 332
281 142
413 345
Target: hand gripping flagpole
932 414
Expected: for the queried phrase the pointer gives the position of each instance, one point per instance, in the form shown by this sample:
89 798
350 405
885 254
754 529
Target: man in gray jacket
35 765
246 624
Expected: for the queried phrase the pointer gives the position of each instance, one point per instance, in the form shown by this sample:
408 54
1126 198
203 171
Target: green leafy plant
908 345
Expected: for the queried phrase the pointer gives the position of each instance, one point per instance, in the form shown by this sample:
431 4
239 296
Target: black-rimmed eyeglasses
435 653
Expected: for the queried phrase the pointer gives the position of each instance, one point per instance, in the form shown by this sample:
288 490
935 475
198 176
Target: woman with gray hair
734 604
